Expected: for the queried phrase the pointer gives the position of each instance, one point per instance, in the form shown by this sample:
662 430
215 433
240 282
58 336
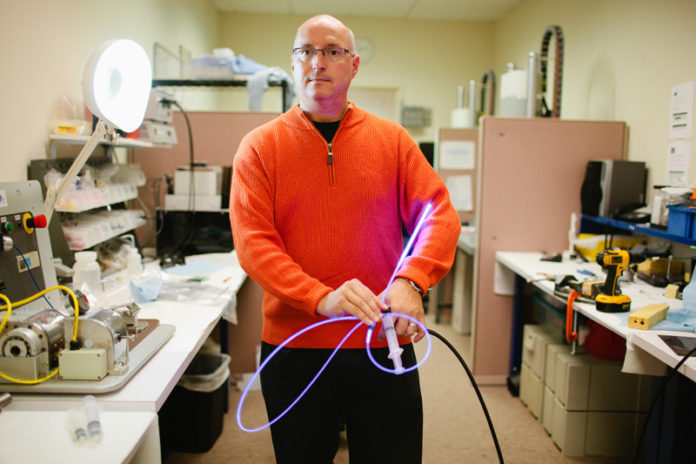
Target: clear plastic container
87 270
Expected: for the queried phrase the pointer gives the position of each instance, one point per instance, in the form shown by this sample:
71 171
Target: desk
671 427
461 277
529 267
147 391
463 287
41 437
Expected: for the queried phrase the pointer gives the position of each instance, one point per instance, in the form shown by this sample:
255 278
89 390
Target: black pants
382 412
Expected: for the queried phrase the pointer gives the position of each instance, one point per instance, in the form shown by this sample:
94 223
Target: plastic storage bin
191 418
681 221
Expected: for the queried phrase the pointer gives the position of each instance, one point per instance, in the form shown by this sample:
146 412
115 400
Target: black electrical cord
478 392
192 184
660 394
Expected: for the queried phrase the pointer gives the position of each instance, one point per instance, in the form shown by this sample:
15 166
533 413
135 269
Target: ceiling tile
475 10
254 6
313 7
391 9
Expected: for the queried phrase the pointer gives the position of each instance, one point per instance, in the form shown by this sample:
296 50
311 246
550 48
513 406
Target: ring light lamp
116 87
116 84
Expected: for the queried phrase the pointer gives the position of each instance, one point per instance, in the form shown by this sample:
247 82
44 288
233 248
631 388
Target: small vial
91 408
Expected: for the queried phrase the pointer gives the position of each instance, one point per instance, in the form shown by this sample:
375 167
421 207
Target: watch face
364 48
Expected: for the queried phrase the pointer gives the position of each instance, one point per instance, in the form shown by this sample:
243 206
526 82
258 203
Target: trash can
191 418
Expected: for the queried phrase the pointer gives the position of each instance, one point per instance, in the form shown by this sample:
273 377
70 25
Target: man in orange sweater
318 201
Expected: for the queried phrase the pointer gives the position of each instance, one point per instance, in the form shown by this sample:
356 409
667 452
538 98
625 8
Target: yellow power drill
610 300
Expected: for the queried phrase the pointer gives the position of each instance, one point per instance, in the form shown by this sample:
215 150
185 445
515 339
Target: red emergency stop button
30 222
39 221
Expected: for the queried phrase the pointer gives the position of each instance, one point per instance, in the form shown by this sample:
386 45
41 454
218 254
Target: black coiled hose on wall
487 85
557 31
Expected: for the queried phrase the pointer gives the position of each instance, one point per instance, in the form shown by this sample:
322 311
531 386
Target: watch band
416 287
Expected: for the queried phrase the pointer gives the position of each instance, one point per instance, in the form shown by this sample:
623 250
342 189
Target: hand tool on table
610 300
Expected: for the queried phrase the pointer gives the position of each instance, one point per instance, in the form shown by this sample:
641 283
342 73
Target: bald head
321 80
328 23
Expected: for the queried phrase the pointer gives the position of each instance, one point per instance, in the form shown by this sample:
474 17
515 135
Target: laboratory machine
51 340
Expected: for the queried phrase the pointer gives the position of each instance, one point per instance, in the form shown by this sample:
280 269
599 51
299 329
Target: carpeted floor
455 426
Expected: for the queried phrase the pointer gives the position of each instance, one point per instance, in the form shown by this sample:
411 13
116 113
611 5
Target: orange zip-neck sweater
308 215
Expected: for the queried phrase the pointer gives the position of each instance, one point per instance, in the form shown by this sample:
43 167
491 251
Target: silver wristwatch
416 287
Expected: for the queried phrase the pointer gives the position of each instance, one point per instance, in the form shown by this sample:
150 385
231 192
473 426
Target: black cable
192 184
478 392
658 447
658 395
188 126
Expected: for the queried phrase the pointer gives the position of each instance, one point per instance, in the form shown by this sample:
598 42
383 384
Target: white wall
621 60
44 46
425 60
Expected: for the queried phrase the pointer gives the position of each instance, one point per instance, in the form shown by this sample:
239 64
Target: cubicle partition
530 175
456 164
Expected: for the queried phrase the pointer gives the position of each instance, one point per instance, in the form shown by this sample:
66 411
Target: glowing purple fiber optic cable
245 393
368 338
395 349
311 382
409 244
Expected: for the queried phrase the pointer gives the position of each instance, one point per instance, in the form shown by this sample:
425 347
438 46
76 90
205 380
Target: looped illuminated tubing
424 214
333 353
368 337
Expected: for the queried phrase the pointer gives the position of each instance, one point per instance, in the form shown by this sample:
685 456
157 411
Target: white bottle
134 263
87 271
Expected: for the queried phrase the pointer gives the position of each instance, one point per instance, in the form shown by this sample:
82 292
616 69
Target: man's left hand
404 299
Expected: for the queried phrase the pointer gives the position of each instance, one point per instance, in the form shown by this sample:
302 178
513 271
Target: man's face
319 78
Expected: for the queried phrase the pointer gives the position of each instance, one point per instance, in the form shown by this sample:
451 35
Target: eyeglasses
331 53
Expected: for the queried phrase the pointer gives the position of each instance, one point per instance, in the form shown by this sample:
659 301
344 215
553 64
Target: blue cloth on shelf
258 83
243 65
623 318
678 319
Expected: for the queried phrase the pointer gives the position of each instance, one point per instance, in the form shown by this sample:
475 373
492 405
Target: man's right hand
353 298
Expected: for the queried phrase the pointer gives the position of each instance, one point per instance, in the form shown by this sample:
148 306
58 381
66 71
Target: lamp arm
53 193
